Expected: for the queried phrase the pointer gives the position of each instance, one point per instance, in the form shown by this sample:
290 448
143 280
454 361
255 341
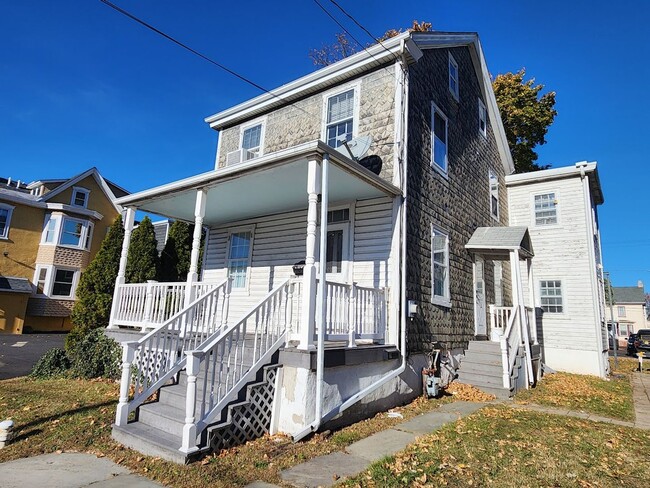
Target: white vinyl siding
550 295
545 209
561 253
279 243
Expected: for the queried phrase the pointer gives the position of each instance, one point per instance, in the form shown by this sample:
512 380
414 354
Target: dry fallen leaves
468 393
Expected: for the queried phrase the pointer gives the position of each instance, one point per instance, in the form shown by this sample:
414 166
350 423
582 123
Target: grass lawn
503 447
609 398
76 415
628 365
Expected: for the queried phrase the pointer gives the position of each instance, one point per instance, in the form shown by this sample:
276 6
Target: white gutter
320 418
592 261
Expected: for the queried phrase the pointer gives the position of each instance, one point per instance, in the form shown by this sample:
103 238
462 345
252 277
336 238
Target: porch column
532 300
517 286
129 219
199 214
307 320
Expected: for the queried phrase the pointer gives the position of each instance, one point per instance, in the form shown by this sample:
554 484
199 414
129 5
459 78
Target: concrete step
150 441
484 346
495 389
480 378
482 358
480 368
163 417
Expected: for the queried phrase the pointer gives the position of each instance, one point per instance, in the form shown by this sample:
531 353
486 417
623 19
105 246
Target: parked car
642 342
631 348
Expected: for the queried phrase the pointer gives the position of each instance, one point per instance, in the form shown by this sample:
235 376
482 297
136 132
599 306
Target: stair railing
232 358
510 342
150 362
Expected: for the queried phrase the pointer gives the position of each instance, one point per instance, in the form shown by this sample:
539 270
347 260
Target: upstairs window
438 139
69 232
494 194
239 252
453 76
80 197
482 118
50 230
545 209
621 311
251 142
339 124
440 268
5 220
551 296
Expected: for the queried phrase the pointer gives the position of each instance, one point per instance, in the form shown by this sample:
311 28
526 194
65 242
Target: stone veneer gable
457 204
302 122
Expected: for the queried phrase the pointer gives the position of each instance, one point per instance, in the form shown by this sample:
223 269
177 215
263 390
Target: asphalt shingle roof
629 294
18 285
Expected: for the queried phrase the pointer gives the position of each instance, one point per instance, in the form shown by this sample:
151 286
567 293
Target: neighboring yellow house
49 231
629 310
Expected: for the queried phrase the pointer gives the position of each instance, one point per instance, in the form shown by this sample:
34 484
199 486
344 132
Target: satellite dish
355 148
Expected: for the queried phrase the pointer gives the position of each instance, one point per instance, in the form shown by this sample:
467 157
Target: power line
197 53
339 24
363 28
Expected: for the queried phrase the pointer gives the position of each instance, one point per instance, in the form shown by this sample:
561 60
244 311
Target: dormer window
80 197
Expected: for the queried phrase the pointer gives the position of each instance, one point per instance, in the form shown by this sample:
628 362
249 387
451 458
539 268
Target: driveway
19 353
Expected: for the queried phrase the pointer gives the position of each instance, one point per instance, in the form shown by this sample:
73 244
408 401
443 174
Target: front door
480 319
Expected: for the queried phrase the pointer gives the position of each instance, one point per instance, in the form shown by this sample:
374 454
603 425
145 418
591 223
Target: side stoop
482 367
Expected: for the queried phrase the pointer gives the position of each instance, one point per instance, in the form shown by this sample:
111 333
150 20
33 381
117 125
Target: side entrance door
480 318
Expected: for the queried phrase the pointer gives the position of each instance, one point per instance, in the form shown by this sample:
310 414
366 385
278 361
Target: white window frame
10 211
562 296
444 171
48 285
84 191
534 212
482 118
348 244
454 64
85 226
85 241
618 311
260 152
493 182
241 230
445 299
356 86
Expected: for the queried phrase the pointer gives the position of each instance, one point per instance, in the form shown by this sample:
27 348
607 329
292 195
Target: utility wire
197 53
363 28
339 24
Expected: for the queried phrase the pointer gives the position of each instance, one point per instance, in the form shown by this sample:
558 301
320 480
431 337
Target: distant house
560 208
49 232
630 312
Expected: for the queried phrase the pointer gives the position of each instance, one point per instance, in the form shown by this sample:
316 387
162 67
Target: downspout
320 418
592 262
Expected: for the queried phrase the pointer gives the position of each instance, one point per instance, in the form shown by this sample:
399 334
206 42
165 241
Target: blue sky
81 85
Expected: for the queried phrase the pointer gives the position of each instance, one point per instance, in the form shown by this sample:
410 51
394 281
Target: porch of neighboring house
506 355
214 348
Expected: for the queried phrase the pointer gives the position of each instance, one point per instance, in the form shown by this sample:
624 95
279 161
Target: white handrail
149 304
510 342
231 358
159 355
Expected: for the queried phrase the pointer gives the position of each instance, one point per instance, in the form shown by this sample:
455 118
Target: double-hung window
621 311
80 197
56 282
440 267
439 151
239 255
453 77
482 118
251 142
494 194
69 232
545 209
550 292
5 220
339 120
62 285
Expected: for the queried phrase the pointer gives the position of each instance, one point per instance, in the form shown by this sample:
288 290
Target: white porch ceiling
258 189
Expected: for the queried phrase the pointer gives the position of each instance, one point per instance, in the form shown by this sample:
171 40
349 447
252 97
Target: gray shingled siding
458 204
290 126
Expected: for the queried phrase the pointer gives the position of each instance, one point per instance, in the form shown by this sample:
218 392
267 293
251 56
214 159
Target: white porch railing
150 362
231 358
354 312
510 343
149 304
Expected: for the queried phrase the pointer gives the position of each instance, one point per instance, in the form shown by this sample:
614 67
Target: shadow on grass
66 413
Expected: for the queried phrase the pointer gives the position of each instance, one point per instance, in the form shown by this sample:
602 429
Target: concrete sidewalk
641 396
327 470
69 470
